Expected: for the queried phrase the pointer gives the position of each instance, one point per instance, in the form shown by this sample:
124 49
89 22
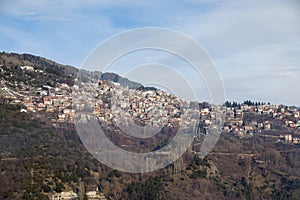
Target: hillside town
113 103
120 105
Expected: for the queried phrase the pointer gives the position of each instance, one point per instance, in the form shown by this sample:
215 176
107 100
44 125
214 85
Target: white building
65 196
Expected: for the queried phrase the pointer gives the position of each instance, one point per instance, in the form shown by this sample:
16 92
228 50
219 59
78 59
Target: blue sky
255 44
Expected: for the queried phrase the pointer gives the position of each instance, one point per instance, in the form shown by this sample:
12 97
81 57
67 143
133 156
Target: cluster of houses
124 107
265 118
156 108
55 100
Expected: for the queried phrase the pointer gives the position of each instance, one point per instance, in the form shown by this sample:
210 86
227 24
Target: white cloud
252 42
52 8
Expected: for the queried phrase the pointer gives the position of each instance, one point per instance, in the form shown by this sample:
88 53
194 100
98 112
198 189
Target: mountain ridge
44 63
